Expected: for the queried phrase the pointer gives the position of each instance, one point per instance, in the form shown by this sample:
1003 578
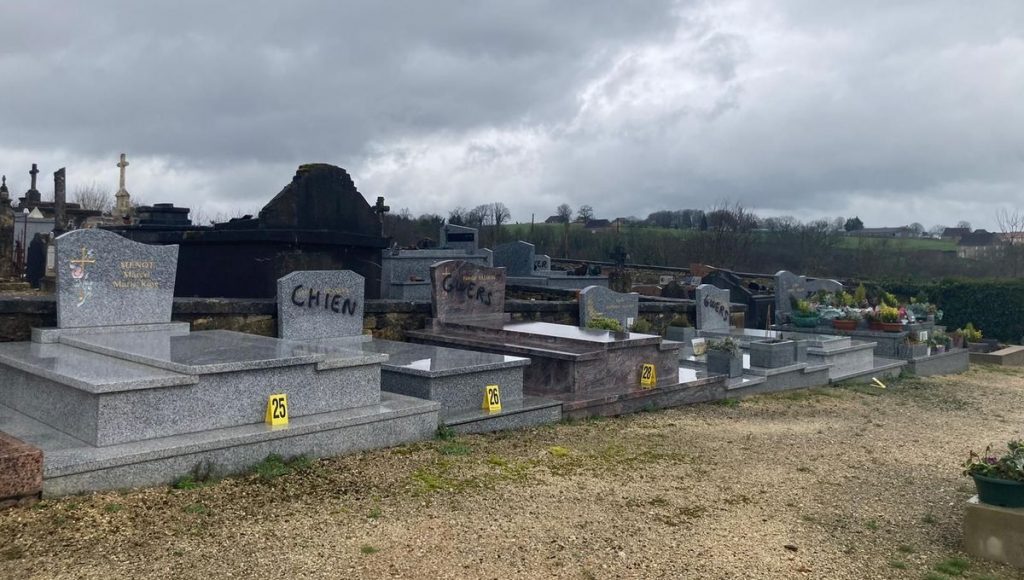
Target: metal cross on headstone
122 164
35 170
380 209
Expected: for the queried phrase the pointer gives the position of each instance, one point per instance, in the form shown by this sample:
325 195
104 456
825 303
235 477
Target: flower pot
805 321
840 324
1000 492
875 325
940 348
725 363
772 355
892 326
958 341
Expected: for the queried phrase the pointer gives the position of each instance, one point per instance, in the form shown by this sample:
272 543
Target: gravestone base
947 363
614 402
994 533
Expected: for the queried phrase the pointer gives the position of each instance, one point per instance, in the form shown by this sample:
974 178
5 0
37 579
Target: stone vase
681 333
725 363
772 354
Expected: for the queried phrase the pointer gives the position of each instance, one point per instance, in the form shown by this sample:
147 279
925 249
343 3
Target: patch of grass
196 508
953 566
374 513
431 481
898 564
445 433
272 467
905 549
454 448
935 576
186 482
498 461
929 519
871 525
368 549
178 552
809 518
558 451
731 403
804 469
112 508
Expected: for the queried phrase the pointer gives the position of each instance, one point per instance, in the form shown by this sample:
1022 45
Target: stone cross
33 173
122 165
3 188
380 209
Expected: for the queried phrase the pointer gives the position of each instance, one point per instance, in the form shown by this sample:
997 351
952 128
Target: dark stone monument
60 210
35 262
163 214
463 291
6 232
319 221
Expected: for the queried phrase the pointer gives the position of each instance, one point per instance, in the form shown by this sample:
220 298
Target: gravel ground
854 482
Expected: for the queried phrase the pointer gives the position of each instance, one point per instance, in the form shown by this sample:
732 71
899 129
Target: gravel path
854 482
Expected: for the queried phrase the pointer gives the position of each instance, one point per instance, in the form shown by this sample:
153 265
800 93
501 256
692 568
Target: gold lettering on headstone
136 274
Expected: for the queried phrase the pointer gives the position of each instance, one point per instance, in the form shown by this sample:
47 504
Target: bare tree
1011 225
585 214
937 230
917 229
964 224
94 197
500 214
564 213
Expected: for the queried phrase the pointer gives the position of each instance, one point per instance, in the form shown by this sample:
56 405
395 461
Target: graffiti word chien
469 286
333 301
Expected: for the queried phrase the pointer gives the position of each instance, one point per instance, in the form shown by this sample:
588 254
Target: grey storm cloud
896 112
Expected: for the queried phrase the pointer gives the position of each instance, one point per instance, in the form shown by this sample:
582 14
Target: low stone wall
388 319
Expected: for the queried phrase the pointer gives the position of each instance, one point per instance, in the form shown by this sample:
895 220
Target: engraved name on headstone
713 309
465 291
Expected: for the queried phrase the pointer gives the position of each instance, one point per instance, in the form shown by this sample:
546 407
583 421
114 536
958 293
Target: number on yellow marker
648 376
492 399
277 410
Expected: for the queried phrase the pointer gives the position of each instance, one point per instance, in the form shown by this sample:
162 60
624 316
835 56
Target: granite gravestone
465 291
542 263
104 279
320 304
455 237
713 309
515 257
788 284
598 301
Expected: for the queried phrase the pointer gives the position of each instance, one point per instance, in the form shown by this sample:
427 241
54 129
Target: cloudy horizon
896 113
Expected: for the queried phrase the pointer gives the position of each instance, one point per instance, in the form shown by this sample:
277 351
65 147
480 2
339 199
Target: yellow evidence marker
648 376
277 410
492 399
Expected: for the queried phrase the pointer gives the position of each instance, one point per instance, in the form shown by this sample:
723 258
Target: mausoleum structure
405 274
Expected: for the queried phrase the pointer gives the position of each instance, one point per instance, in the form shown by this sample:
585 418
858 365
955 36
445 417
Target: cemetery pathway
850 482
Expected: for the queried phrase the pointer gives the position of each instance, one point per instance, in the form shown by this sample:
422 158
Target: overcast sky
894 111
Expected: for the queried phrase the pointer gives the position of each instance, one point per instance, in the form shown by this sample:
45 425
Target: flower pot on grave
958 341
772 354
725 363
875 325
1000 492
940 348
681 333
841 324
801 321
892 326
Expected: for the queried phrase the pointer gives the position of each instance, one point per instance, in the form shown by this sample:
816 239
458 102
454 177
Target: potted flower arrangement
939 341
999 480
957 338
972 338
848 320
804 315
724 358
890 318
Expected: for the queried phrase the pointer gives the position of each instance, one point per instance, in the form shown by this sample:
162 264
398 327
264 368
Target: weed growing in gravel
445 433
558 451
905 549
731 403
871 525
275 466
196 508
112 508
367 549
498 461
898 564
953 566
374 513
454 448
186 483
928 518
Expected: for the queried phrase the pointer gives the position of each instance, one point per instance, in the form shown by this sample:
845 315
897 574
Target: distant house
556 219
955 234
597 224
899 232
978 244
1012 238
